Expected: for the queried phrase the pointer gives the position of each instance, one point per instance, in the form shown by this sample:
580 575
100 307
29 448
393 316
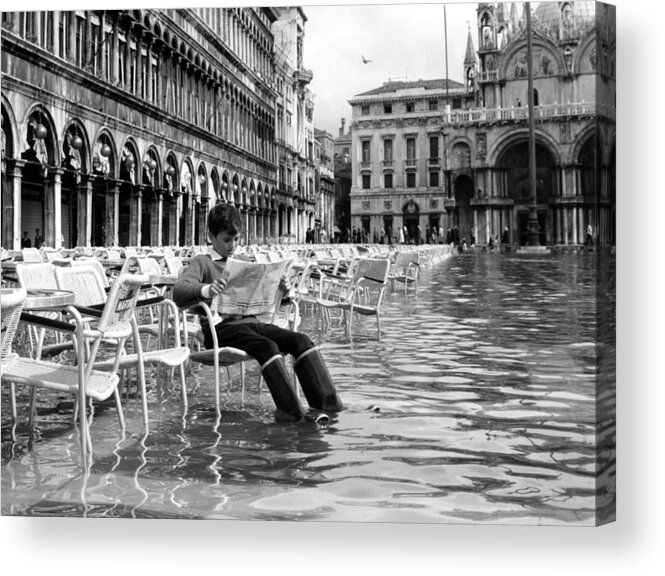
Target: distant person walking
589 236
39 239
25 241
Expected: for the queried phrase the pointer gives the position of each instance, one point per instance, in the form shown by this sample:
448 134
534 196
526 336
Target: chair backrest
375 269
407 258
31 255
84 281
113 254
149 266
37 275
11 303
173 264
121 303
97 265
48 255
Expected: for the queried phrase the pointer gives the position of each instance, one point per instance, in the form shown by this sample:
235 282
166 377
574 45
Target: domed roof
547 16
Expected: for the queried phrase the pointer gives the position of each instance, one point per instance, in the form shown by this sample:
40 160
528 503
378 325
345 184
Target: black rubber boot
279 383
316 382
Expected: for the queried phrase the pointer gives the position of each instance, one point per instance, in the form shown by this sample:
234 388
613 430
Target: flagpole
445 31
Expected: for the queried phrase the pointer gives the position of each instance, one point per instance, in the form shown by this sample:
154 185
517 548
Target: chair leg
12 399
118 407
183 387
32 408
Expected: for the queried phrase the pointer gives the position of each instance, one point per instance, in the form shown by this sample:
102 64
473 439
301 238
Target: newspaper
251 287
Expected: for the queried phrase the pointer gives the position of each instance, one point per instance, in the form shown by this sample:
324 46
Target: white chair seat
169 357
227 355
61 377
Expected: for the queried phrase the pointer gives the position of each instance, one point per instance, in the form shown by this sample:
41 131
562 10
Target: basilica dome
561 19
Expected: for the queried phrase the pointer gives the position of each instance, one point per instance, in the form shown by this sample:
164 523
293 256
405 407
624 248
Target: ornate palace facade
124 127
442 153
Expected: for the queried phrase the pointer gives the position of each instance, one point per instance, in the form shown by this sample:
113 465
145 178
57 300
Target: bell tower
487 77
470 71
486 27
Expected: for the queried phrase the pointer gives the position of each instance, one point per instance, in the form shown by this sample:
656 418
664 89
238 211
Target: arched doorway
411 218
463 214
514 162
612 195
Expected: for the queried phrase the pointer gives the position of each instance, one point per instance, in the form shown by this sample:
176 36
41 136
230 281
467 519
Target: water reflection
481 403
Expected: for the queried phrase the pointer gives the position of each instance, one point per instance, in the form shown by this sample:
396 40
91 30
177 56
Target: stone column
37 19
177 201
111 216
87 58
135 215
84 211
148 73
11 204
203 216
101 47
114 53
138 66
159 217
128 55
53 208
157 96
56 32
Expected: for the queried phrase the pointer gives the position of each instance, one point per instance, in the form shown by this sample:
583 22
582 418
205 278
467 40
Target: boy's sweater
202 270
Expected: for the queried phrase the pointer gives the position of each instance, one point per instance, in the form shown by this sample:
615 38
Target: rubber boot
316 382
279 383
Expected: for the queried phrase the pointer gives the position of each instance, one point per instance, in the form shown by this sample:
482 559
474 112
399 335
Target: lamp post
532 227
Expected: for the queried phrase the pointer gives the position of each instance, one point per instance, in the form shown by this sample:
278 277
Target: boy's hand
285 284
217 286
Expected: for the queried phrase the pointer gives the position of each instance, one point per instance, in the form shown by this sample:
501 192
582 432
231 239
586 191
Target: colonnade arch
83 184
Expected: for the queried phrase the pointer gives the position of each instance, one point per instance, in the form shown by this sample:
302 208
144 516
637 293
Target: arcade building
123 127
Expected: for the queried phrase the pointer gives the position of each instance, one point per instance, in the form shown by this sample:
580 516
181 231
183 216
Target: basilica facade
123 127
439 154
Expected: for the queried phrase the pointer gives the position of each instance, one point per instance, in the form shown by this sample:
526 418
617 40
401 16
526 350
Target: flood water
481 403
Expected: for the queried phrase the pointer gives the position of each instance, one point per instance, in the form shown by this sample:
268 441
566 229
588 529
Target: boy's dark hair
224 217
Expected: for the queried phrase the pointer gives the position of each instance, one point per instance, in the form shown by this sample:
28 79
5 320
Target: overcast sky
403 41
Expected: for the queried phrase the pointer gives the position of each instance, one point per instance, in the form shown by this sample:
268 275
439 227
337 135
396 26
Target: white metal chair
36 276
405 269
86 383
31 255
362 294
84 282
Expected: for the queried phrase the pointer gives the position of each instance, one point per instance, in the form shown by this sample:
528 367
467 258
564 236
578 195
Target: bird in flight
365 60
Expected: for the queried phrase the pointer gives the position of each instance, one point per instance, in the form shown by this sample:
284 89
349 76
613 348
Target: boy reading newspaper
207 276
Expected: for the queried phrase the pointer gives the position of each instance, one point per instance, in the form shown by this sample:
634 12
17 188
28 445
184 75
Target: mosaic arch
590 162
514 162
